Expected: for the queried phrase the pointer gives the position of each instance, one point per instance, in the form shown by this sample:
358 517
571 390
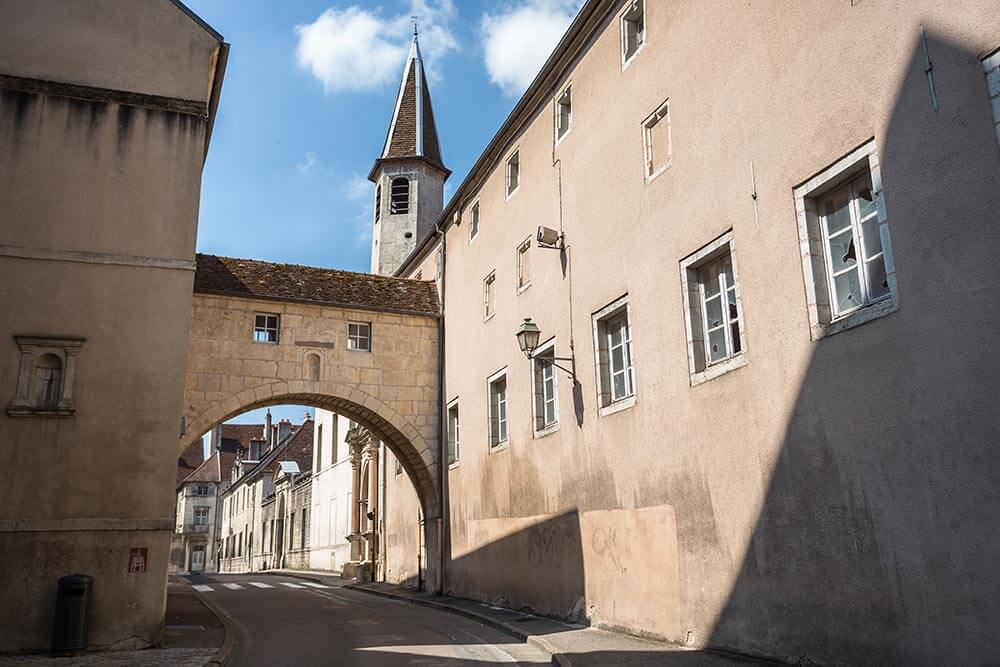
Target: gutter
442 425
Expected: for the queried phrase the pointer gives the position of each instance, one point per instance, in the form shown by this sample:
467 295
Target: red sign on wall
137 559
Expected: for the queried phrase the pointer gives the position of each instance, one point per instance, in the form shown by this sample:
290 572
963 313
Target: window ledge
652 177
559 140
473 238
452 466
721 368
617 406
857 318
548 430
489 317
500 447
523 288
357 350
513 192
27 411
631 58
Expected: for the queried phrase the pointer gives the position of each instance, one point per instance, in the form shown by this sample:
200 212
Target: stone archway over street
360 345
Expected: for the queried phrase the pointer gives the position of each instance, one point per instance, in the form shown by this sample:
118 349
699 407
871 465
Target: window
291 530
497 385
201 516
991 66
203 490
713 311
378 202
656 141
633 31
319 448
333 442
399 196
305 528
513 172
474 224
524 265
546 405
45 376
613 346
265 328
453 433
844 239
359 336
399 468
564 113
489 296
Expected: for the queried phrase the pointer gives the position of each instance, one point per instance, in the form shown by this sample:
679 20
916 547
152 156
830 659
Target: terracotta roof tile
190 459
251 278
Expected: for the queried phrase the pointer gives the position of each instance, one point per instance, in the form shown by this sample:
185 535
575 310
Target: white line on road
233 587
290 585
259 585
311 584
202 588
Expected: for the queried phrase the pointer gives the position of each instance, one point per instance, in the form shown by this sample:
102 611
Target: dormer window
399 195
45 378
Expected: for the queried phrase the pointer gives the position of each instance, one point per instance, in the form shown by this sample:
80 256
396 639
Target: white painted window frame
607 403
266 328
356 339
489 288
815 265
629 59
539 397
496 443
523 248
475 219
514 155
557 105
695 322
661 115
457 436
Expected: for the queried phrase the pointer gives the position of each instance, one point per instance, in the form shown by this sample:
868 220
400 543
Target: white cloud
308 162
520 39
359 190
359 49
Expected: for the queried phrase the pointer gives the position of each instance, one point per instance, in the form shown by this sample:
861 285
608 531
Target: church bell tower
409 176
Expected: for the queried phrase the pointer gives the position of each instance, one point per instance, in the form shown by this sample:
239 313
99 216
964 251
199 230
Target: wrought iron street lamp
528 335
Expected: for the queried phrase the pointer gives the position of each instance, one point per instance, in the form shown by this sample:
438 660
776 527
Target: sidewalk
569 645
193 636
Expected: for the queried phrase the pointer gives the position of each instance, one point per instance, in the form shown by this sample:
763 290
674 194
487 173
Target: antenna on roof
415 18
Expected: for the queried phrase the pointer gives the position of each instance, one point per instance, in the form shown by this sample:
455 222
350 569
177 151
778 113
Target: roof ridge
365 274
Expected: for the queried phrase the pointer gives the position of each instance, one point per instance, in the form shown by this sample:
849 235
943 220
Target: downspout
442 420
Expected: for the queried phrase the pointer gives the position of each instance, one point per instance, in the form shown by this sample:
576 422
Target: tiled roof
190 459
298 447
251 278
243 433
208 471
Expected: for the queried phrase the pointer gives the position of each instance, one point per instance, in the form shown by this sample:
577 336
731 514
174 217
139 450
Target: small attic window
399 196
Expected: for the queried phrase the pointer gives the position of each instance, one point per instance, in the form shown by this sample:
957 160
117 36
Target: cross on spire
415 18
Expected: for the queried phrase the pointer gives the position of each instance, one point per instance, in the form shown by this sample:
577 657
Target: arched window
378 202
48 380
400 196
312 367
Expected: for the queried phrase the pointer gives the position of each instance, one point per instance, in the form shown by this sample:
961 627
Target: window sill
857 318
266 342
27 411
656 174
454 465
720 368
489 317
521 289
357 350
617 406
473 238
631 59
513 192
559 140
548 430
500 447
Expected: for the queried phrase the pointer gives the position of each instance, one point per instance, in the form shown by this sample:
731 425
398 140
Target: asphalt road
287 621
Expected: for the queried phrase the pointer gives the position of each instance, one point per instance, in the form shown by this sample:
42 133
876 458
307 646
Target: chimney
284 428
214 440
267 429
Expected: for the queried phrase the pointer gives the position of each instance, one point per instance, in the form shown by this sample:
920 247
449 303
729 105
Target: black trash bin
72 612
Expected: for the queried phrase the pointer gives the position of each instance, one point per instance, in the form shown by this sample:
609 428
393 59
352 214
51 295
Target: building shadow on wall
879 535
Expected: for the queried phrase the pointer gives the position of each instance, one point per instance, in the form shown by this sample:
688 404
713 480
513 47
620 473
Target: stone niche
45 377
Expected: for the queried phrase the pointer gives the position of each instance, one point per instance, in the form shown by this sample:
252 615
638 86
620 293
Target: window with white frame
656 141
474 222
546 402
319 448
399 195
454 442
633 28
513 172
201 516
489 295
713 311
203 490
497 387
564 112
844 238
613 346
524 264
359 336
265 328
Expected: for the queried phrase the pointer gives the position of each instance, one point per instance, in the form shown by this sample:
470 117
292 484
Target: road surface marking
290 585
309 583
233 587
202 588
259 585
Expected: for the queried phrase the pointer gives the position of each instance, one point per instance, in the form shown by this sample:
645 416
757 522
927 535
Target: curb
225 652
557 657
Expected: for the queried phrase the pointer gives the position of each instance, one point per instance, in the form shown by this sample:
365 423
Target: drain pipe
442 418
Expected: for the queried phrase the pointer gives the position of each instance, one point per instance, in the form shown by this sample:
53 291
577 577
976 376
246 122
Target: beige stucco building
773 225
103 133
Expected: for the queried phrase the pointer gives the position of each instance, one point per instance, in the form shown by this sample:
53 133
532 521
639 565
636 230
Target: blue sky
308 92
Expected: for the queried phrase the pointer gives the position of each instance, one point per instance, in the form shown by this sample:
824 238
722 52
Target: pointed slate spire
412 130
